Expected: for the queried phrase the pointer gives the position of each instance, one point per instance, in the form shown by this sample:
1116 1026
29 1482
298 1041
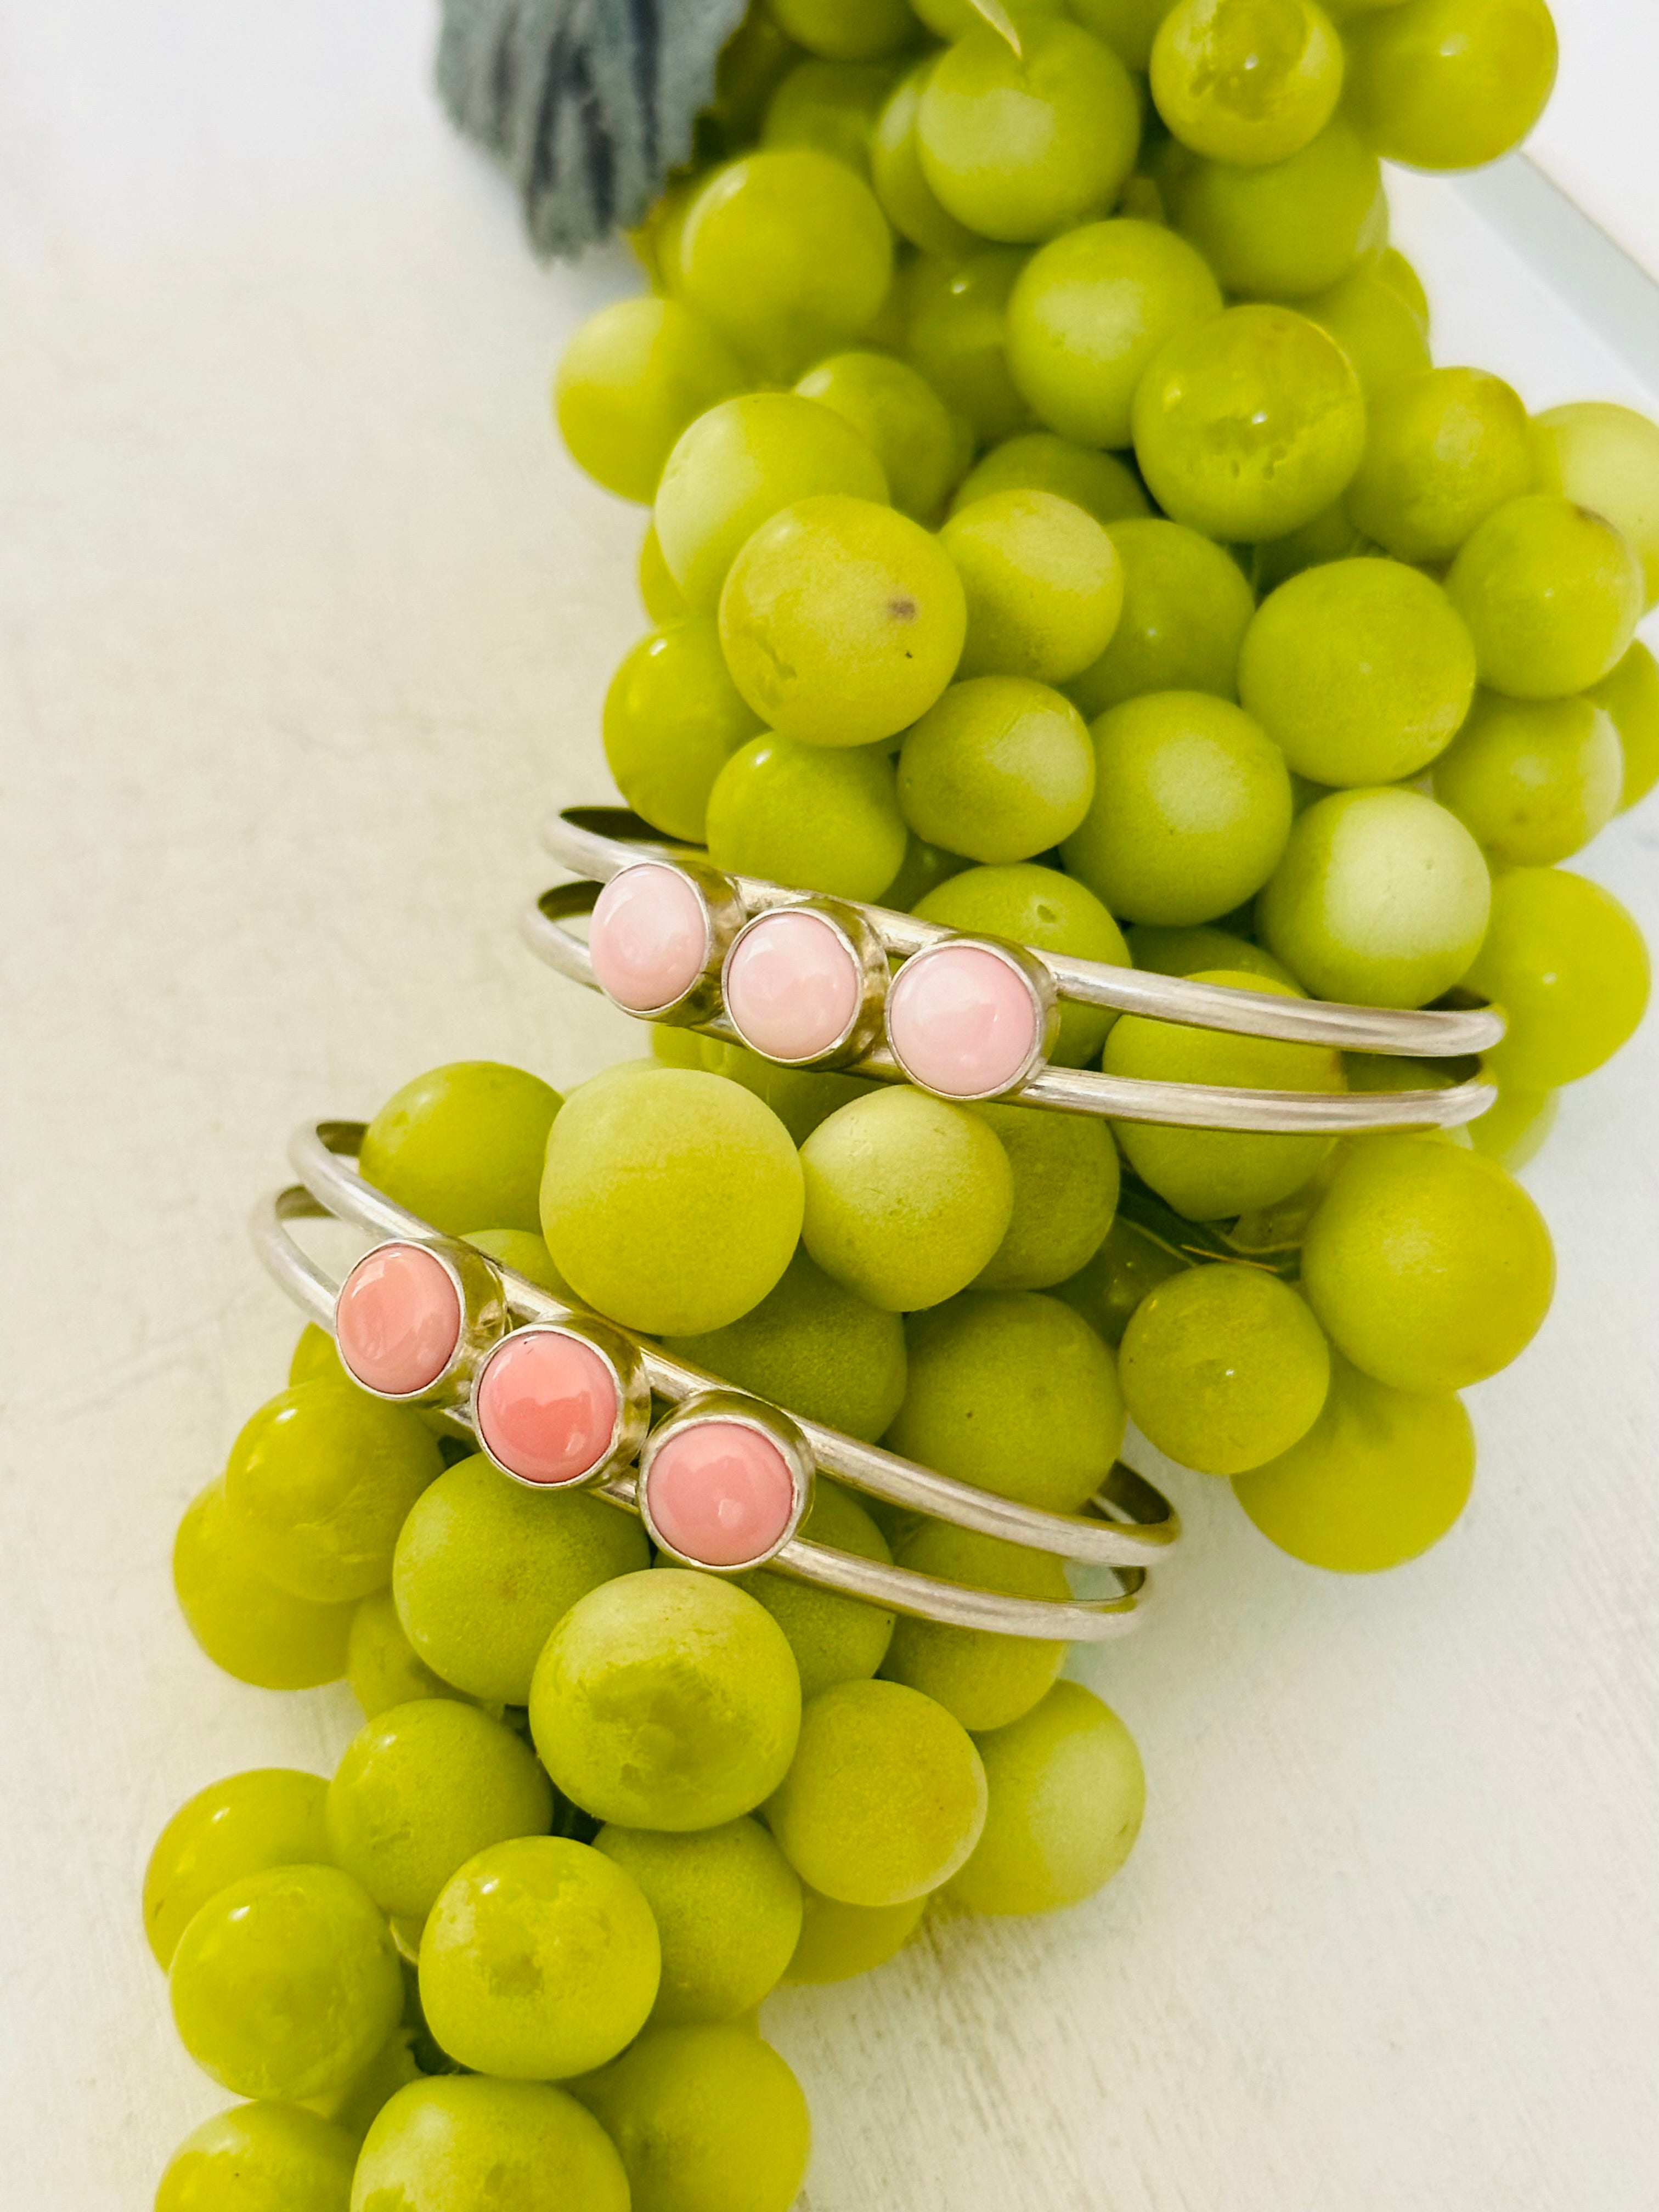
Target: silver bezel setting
1045 999
633 1401
482 1303
869 958
768 1421
723 917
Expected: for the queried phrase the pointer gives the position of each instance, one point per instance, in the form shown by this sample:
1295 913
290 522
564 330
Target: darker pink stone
720 1493
648 938
398 1320
546 1406
962 1021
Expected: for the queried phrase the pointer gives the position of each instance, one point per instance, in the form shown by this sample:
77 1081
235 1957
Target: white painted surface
305 620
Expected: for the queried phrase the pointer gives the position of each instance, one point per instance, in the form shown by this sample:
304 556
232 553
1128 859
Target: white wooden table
304 620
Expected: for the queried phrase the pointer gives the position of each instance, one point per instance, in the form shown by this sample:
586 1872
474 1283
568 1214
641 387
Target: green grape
802 1097
708 2118
727 1907
1191 809
984 1680
1606 458
1129 27
907 1197
271 1817
821 820
524 1252
1381 1476
1552 594
1037 906
1013 1392
1248 81
1532 779
846 30
1330 537
813 1346
672 719
1210 1174
838 1940
260 2157
830 106
485 1569
1382 897
900 417
834 1638
955 333
1088 315
462 1144
667 1700
925 868
382 1666
1127 1266
749 65
908 200
1248 426
1065 1178
1361 672
1043 583
630 381
1631 696
286 1983
1451 84
244 1623
539 1959
1223 1368
1000 768
1443 452
1402 279
659 595
316 1356
1513 1131
1186 608
1066 1793
842 621
318 1484
1567 965
951 20
673 1206
1037 460
458 2143
1184 951
1020 146
1374 325
353 2108
886 1798
1293 228
788 255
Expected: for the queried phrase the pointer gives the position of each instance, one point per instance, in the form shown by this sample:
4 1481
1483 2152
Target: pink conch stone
648 937
962 1022
397 1319
546 1406
792 986
720 1493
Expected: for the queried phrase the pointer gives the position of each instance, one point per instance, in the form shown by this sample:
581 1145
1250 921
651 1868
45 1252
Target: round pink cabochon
397 1319
962 1022
546 1406
792 986
648 937
720 1493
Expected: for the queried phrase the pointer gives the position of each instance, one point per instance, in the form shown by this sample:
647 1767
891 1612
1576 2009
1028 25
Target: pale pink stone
962 1022
792 986
720 1493
398 1320
648 938
546 1406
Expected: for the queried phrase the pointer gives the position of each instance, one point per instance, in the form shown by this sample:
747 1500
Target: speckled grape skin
1223 1367
439 2142
1248 83
727 1907
1532 779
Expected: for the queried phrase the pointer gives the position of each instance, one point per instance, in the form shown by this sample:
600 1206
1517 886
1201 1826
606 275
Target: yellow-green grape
925 868
1606 458
1398 274
1361 672
1533 779
1631 696
1127 1266
1184 951
788 255
318 1484
630 381
1129 27
814 1346
1552 594
907 1197
842 621
1000 768
659 595
802 1097
1513 1131
1451 84
1374 325
749 65
951 20
817 819
846 30
316 1356
986 1681
667 1700
524 1252
1037 906
838 1940
1186 608
707 2119
672 719
393 2066
727 1907
1043 583
831 106
1088 315
956 333
485 1569
286 1983
1382 897
1429 1266
539 1960
1066 1794
1443 452
1330 537
271 1817
1191 809
1568 966
886 1798
1065 1179
834 1638
908 200
260 2157
900 417
1250 425
1037 460
673 1206
1210 1174
1287 231
242 1619
1020 146
1246 81
464 1144
1013 1392
382 1666
459 2143
1223 1367
1381 1476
